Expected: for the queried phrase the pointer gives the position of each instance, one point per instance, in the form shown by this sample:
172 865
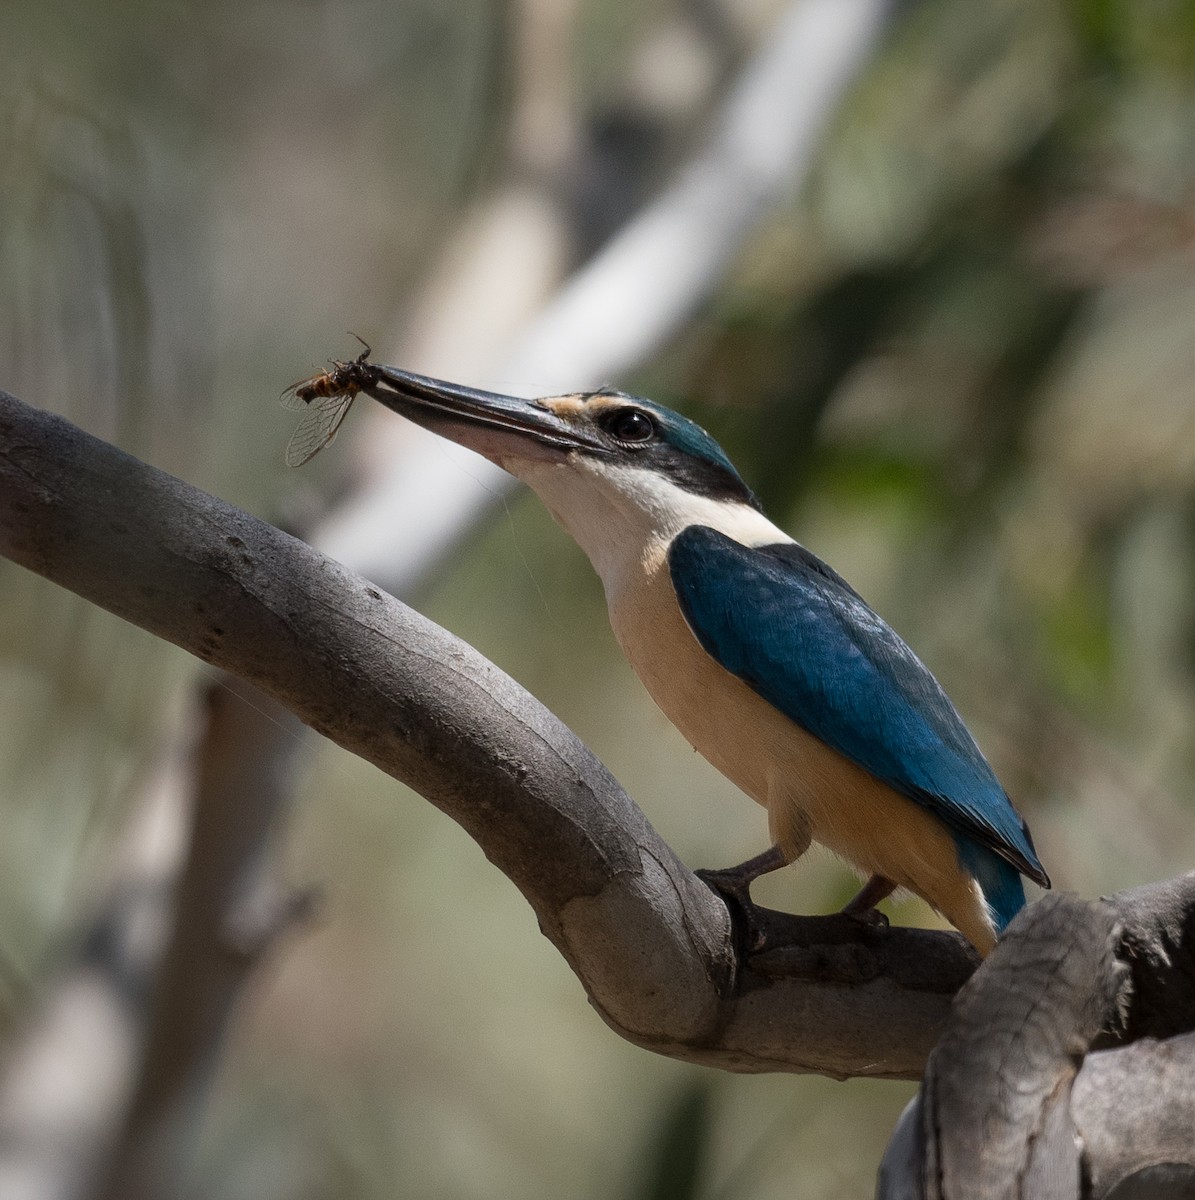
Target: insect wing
293 397
318 427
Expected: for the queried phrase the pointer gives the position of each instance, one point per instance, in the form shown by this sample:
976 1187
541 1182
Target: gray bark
1019 1100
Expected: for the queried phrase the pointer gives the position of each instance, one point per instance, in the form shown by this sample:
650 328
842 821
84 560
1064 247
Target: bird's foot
863 906
733 884
735 890
869 918
730 882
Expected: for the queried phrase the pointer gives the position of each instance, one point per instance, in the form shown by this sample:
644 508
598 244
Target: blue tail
999 880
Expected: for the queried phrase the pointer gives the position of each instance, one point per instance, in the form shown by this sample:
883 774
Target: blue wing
796 632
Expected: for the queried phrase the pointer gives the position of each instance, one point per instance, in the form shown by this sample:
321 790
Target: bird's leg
733 884
870 894
737 880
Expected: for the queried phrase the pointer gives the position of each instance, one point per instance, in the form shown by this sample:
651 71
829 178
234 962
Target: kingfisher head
609 466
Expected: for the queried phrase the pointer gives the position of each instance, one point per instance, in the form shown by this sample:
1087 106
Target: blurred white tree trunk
617 309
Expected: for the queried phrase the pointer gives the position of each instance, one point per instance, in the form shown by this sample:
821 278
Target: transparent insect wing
291 398
318 427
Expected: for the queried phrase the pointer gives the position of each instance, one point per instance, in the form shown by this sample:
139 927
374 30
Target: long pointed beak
495 425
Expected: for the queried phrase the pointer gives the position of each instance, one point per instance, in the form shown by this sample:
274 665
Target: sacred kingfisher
765 658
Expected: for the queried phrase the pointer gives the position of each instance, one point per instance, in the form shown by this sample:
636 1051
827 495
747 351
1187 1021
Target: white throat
625 517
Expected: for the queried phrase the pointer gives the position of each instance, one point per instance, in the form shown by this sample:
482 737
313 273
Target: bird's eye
630 425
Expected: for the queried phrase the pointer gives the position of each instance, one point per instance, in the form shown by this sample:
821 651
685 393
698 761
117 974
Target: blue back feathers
796 633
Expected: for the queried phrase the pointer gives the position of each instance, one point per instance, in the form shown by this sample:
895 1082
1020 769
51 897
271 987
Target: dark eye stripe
665 442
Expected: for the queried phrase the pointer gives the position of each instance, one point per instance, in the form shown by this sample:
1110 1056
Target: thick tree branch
653 947
1019 1102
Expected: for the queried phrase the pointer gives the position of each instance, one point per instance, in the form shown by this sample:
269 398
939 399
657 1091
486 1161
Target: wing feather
795 632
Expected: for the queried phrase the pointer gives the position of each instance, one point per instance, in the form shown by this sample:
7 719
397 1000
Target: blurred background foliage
959 364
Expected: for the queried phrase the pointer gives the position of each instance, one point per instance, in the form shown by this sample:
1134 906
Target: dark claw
734 886
869 918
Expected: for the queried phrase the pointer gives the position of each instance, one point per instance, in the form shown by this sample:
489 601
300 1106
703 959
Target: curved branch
1016 1104
653 947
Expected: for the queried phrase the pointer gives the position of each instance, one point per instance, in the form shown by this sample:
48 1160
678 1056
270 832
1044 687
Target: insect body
324 400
